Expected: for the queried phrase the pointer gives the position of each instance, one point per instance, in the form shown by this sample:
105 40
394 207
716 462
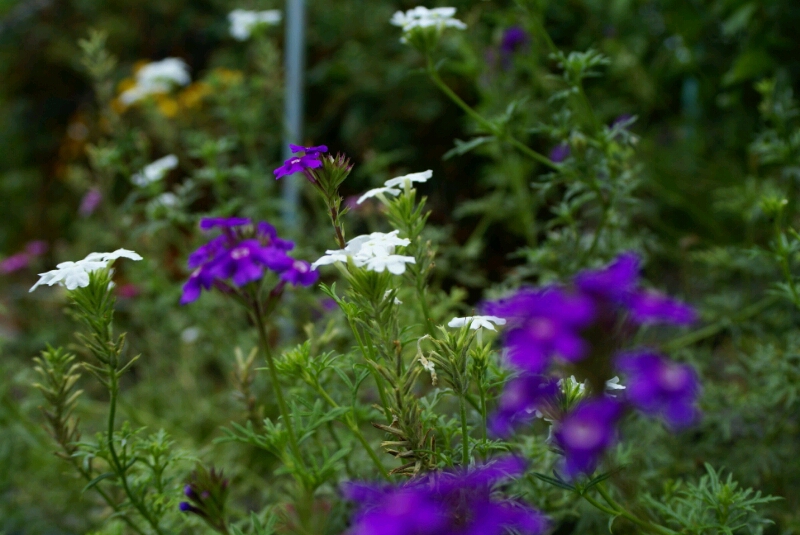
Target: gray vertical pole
294 66
293 107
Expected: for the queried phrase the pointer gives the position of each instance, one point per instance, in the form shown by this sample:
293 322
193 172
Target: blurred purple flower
91 200
207 223
514 38
300 272
450 503
300 164
658 386
128 291
36 247
587 432
520 399
559 153
14 263
542 324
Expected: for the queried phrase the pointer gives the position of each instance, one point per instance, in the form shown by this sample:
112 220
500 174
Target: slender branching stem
462 405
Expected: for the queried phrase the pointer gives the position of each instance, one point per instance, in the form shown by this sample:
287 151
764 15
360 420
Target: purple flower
514 38
239 256
90 202
559 153
14 263
450 503
300 164
617 284
623 121
520 399
586 433
658 386
36 247
300 273
542 324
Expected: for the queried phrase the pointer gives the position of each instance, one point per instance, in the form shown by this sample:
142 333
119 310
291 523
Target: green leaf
749 65
463 147
554 481
97 480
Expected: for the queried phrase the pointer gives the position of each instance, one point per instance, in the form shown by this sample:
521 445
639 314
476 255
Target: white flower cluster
243 21
76 274
391 185
477 322
155 171
374 251
157 77
422 17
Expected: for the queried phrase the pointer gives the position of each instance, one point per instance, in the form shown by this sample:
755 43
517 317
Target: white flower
377 191
477 322
243 21
396 300
166 199
76 274
374 251
406 180
155 171
190 335
396 264
157 77
613 384
422 17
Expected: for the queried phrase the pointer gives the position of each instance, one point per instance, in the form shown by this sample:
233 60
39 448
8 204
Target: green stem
423 301
464 432
491 128
276 385
353 425
369 358
650 526
118 468
482 409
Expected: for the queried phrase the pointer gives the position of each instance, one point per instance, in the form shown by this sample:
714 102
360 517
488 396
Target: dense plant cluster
540 278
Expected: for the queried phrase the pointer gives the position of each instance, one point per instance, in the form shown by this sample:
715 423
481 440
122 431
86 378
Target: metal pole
294 64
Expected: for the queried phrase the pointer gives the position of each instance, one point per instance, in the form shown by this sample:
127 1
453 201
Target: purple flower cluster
301 163
21 260
557 324
454 503
241 254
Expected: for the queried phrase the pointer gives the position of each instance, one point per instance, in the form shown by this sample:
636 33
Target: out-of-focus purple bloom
14 263
36 247
542 324
559 153
623 121
310 159
309 151
652 307
241 254
207 223
618 283
514 38
128 291
521 397
454 503
91 200
300 273
658 386
587 432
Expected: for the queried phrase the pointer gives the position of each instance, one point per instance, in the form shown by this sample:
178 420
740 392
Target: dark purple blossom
90 202
521 398
241 255
559 153
623 121
14 263
660 387
514 38
542 324
310 159
587 433
647 306
454 503
36 247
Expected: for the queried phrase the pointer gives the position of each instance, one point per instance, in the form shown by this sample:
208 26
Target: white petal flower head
157 77
379 192
395 264
477 322
422 17
406 180
613 384
243 22
76 274
331 257
155 171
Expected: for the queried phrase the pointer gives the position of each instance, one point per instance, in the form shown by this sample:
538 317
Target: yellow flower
167 105
194 94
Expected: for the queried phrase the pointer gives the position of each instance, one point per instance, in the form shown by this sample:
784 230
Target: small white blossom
406 180
157 77
76 274
613 384
422 17
396 300
243 21
377 191
331 257
166 199
155 171
190 335
395 264
477 322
